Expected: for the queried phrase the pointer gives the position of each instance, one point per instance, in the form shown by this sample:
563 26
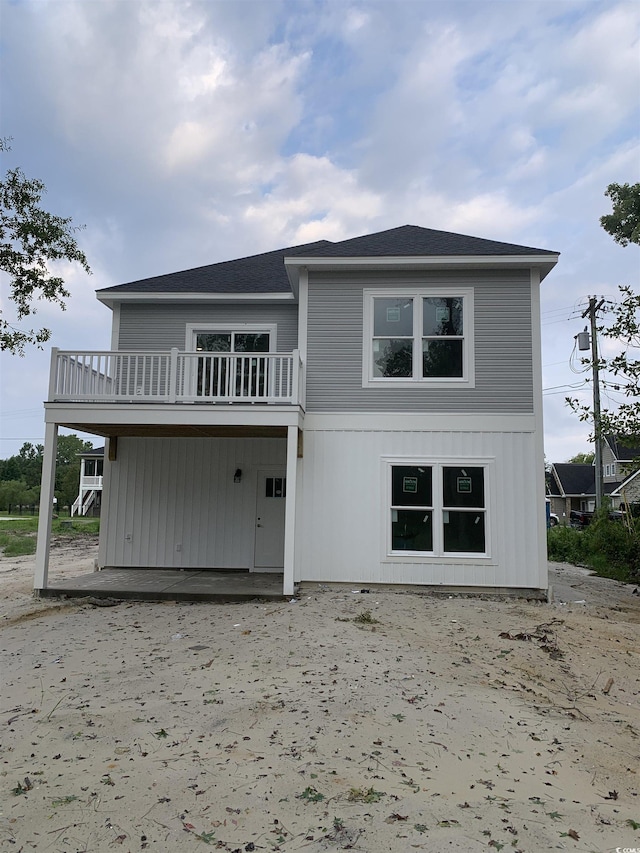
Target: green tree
25 469
12 493
69 486
69 447
30 239
582 458
30 460
623 327
624 222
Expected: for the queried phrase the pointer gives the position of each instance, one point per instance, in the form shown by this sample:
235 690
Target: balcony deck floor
170 585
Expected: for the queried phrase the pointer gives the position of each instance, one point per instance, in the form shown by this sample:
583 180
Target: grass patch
18 538
17 544
365 618
608 547
364 795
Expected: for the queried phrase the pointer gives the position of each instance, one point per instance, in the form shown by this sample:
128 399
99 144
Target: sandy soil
381 721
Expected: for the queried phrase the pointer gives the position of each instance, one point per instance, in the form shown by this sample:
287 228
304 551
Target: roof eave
545 263
113 298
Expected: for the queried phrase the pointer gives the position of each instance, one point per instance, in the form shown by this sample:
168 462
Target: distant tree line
20 475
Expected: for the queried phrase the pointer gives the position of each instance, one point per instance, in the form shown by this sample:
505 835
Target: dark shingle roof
266 273
623 449
412 240
575 479
263 273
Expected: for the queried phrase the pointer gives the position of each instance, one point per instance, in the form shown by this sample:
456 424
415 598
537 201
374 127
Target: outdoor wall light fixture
237 477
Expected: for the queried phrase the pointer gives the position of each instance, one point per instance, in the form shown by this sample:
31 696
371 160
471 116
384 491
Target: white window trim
438 555
195 329
467 380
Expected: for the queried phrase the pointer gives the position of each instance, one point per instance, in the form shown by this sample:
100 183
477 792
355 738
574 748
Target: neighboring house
628 491
89 498
619 459
572 486
366 411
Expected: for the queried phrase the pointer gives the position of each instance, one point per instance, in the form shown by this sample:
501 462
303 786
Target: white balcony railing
175 377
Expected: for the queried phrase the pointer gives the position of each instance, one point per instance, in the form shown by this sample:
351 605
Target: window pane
411 530
393 358
89 467
464 532
411 486
251 343
441 316
392 317
441 358
275 487
463 487
214 343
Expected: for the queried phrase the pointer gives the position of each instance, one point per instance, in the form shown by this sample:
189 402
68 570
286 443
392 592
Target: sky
184 133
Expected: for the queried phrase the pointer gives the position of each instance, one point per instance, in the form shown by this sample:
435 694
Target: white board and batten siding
344 511
173 503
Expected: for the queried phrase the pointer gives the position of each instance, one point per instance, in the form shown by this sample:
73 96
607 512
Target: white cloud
314 199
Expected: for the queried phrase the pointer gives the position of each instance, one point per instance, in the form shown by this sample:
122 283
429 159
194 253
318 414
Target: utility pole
592 311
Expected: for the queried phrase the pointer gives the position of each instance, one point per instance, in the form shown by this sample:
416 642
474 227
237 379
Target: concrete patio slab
170 585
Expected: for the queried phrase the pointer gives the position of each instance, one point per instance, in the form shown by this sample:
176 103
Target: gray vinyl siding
503 345
161 326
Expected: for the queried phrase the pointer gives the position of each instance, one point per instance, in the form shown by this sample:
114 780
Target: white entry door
270 505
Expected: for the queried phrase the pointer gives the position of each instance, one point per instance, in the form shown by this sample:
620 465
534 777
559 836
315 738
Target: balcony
176 377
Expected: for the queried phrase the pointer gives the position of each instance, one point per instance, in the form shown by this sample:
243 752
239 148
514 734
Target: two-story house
89 500
365 411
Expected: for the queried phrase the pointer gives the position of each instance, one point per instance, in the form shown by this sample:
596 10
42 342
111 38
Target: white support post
303 323
46 507
290 511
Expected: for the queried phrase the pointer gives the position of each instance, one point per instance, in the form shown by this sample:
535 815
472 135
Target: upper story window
233 360
232 342
418 336
93 467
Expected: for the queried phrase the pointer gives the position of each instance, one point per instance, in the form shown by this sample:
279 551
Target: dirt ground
342 720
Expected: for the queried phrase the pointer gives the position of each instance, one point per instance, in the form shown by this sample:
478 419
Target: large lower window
418 336
438 509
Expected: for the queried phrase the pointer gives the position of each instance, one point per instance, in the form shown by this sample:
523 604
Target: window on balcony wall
437 509
93 467
229 369
418 337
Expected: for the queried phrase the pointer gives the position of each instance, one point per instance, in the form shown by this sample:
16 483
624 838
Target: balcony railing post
53 374
295 382
173 375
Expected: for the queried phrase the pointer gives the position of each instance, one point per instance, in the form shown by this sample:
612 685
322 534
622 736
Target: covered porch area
184 519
